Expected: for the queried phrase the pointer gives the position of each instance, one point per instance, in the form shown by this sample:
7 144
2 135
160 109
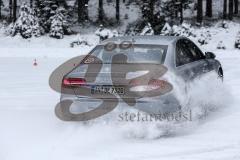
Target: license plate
107 90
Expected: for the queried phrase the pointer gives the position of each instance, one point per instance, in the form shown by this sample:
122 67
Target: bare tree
230 5
10 10
225 9
151 7
1 3
14 10
200 11
82 10
118 10
209 8
181 12
100 11
236 3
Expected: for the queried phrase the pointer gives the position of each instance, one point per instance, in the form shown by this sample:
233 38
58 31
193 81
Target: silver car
113 76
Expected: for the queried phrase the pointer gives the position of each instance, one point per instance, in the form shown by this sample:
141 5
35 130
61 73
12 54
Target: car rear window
135 54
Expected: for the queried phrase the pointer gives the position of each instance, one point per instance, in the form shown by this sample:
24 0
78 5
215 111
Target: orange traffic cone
35 62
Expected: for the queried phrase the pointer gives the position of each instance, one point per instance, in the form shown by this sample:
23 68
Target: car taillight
152 85
74 81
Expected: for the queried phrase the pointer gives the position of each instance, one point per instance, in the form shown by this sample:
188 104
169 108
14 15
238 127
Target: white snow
30 130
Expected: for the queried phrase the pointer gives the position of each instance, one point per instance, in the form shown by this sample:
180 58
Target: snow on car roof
155 40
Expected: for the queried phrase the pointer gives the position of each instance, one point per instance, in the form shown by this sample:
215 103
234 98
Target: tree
173 9
181 11
152 14
10 10
59 24
148 11
61 3
200 11
56 29
230 5
100 11
147 30
27 23
225 9
236 3
1 4
82 10
117 10
44 10
31 3
151 7
209 8
14 10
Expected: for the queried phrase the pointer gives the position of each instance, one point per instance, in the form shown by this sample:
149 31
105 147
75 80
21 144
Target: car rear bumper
162 104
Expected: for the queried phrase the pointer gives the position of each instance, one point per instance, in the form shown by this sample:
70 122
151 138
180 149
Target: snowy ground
30 130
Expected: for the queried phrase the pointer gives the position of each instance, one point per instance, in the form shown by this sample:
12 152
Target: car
178 55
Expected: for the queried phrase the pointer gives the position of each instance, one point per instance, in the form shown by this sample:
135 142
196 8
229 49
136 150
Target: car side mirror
210 55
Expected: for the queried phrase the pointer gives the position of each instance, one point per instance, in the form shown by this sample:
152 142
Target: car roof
154 40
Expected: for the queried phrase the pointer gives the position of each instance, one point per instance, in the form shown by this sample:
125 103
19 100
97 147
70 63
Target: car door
208 64
190 61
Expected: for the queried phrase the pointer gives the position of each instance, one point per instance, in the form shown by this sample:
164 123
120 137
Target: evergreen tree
27 23
167 30
147 9
169 9
59 25
47 9
173 9
44 10
56 29
147 30
151 13
103 33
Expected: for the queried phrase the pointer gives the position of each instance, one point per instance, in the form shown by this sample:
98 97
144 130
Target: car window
183 53
195 51
139 53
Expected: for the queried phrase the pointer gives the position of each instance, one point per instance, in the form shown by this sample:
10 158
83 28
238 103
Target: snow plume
196 98
206 94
